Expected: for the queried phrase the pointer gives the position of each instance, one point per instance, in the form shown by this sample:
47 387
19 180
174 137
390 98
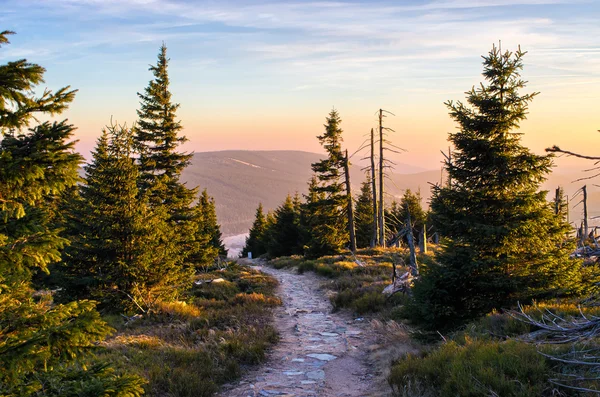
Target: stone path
319 354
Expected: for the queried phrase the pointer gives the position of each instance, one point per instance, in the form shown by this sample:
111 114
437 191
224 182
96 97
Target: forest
114 279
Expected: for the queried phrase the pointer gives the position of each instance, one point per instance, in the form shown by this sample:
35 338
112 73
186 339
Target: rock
330 334
316 375
322 356
298 360
293 373
307 382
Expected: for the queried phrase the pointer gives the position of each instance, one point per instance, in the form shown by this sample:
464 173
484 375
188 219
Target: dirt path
320 353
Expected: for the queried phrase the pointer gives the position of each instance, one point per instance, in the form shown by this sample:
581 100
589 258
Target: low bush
477 368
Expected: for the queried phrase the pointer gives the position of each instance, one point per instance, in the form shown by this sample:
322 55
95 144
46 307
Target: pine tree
503 241
125 252
411 203
44 347
327 224
364 215
209 226
255 242
157 135
286 236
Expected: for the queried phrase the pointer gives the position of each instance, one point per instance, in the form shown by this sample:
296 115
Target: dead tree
384 145
584 226
553 329
381 221
423 240
350 209
585 210
375 237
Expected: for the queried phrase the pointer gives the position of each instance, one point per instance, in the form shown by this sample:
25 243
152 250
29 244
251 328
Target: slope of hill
239 180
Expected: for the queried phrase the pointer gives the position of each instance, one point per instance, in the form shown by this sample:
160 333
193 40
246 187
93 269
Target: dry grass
188 348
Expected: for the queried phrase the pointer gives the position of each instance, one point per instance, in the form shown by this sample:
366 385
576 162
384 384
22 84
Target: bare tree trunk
351 228
414 269
381 189
423 240
585 213
375 237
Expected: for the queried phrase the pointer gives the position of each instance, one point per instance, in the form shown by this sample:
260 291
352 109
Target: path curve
319 353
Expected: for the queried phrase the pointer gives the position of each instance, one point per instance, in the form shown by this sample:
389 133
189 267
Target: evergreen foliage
398 214
364 215
327 223
44 347
157 138
125 253
286 236
503 242
209 226
255 242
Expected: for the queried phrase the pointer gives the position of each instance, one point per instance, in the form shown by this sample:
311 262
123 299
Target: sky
265 74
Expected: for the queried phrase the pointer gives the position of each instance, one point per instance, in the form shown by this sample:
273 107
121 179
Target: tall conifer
364 215
158 138
503 241
209 226
44 347
124 250
286 236
327 225
255 242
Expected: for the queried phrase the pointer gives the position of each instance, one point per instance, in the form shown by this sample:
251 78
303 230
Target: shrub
478 368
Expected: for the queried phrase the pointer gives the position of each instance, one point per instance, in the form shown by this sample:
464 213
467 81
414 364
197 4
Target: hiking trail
320 353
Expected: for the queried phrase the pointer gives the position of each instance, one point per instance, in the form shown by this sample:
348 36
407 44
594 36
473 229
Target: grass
191 347
487 358
358 288
477 368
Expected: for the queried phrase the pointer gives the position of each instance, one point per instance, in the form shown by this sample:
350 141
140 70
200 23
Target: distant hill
240 179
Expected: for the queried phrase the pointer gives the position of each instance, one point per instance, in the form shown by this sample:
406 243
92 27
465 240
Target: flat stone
307 382
293 373
317 375
330 334
298 360
322 356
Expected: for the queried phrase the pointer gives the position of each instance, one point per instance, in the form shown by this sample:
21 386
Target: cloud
335 43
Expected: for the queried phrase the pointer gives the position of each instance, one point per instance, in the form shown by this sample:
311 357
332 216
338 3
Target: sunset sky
264 74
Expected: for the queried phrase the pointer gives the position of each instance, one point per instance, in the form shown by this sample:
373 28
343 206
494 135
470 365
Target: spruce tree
327 224
411 203
125 252
209 226
503 242
364 215
255 242
286 236
45 348
158 137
